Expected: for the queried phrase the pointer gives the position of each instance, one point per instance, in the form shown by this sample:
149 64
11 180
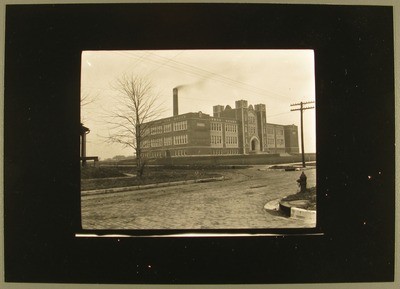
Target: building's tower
291 139
262 123
241 116
217 109
241 103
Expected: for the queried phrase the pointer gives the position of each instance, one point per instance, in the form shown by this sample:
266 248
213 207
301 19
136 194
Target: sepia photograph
198 139
200 144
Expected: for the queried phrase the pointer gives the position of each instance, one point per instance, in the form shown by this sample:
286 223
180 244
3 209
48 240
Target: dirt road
237 202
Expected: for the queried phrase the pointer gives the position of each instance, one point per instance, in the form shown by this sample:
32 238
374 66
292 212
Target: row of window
180 139
154 154
183 139
231 139
182 125
156 129
216 139
178 126
157 142
216 126
166 141
179 153
279 142
225 152
167 127
271 131
230 127
162 154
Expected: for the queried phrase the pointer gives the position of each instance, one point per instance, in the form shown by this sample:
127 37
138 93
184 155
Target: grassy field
111 177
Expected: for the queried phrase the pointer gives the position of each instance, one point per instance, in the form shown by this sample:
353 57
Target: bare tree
137 106
87 99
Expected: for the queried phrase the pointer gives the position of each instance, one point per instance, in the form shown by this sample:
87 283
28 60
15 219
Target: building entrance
254 145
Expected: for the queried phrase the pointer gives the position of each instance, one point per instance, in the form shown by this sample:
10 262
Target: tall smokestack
175 101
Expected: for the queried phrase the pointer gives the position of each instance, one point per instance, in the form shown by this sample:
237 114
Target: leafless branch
88 98
137 105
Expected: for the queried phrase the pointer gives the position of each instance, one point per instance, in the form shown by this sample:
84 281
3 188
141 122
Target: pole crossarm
305 102
303 108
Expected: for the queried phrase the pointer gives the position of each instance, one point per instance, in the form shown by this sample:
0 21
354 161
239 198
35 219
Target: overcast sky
276 78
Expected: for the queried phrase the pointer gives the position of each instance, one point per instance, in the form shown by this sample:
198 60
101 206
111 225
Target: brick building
229 131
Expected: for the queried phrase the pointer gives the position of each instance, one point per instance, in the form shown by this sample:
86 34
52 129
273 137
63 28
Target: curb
150 186
285 208
309 216
302 214
272 205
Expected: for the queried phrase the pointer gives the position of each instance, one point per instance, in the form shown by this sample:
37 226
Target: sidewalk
297 165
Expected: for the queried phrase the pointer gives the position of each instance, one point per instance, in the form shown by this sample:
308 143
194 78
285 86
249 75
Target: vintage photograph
198 139
200 144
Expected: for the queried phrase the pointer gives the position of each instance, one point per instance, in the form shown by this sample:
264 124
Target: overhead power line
222 77
205 74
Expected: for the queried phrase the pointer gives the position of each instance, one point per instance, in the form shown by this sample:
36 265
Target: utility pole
301 109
